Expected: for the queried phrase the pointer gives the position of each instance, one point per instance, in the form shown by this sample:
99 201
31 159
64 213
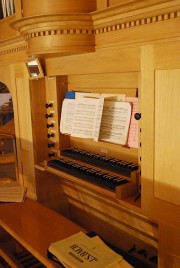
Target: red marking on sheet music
133 128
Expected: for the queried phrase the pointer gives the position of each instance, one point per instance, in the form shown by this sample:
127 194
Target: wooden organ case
104 207
116 47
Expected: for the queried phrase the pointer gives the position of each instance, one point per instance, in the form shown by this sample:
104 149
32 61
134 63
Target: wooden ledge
35 226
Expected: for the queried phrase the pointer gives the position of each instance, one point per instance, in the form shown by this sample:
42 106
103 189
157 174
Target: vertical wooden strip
147 127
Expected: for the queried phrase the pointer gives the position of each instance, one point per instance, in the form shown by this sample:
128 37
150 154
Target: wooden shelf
34 227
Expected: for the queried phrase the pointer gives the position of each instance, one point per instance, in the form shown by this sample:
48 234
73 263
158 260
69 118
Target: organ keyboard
90 174
109 163
97 169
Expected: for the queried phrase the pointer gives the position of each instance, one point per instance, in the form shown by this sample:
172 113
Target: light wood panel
6 31
18 9
135 2
5 77
147 127
167 132
38 111
50 192
42 7
114 83
23 128
169 247
167 56
161 189
101 4
112 61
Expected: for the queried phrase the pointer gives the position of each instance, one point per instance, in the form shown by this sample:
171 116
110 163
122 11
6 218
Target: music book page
67 116
115 122
87 118
11 191
81 117
133 129
81 251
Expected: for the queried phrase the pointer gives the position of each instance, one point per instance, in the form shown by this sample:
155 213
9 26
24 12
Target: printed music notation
87 118
100 119
81 117
115 122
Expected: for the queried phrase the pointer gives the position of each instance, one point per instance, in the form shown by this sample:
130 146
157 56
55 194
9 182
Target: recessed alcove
7 135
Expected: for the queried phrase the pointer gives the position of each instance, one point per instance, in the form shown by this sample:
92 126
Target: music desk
34 227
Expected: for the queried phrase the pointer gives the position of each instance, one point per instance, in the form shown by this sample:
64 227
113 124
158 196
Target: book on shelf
96 118
82 251
11 191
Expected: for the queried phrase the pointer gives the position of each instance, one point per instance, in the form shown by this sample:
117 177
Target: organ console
104 171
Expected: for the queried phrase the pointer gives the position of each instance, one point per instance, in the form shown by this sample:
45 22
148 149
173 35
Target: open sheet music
87 118
81 117
115 122
96 118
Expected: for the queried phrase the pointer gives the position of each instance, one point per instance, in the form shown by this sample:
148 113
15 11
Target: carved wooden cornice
13 45
134 22
13 50
71 33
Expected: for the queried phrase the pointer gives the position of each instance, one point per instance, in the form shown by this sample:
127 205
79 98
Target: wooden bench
33 227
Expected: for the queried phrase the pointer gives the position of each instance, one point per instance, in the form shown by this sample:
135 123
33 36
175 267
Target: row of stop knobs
51 125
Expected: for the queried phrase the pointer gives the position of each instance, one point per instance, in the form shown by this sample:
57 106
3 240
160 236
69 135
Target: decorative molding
13 50
66 22
13 45
76 33
59 32
135 8
71 33
12 41
137 22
